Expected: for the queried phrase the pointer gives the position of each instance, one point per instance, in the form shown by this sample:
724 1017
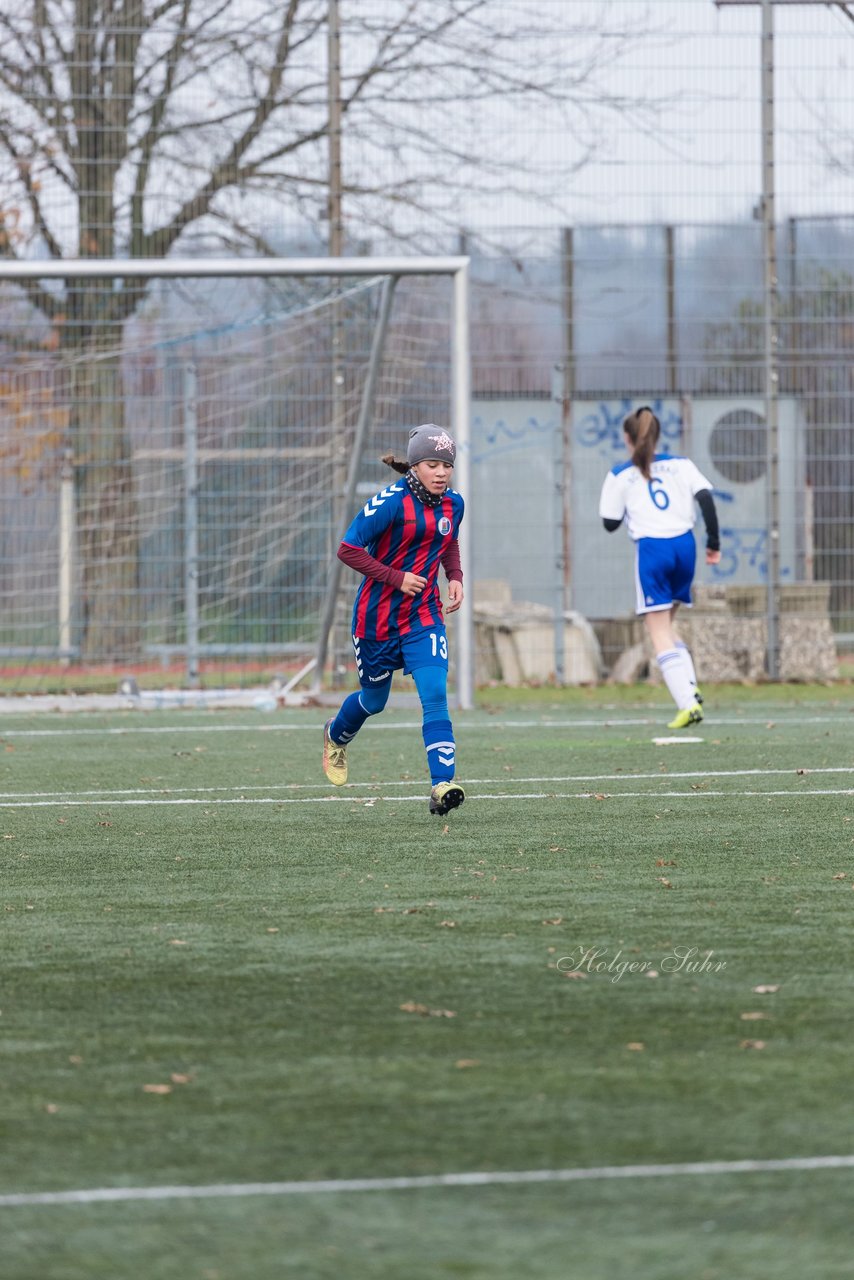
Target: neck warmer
423 494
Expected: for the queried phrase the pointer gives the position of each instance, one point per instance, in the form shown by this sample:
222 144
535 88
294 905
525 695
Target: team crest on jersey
443 443
444 525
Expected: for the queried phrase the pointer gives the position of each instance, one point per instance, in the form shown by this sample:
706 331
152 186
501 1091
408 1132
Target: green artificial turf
327 984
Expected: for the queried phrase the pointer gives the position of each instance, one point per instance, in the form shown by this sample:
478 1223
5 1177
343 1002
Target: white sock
688 660
675 673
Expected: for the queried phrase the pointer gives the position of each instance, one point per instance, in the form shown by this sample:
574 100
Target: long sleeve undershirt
363 562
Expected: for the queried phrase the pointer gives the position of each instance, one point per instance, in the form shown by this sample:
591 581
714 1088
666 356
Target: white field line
670 775
779 719
369 800
100 1195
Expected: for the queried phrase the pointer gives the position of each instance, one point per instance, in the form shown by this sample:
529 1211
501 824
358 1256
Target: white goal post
36 274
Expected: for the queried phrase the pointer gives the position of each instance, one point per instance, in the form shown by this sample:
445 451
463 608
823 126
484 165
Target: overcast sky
701 163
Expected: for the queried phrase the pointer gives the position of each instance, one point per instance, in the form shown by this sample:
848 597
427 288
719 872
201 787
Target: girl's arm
363 562
706 503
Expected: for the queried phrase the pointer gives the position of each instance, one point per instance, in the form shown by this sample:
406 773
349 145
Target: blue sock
436 728
439 741
355 710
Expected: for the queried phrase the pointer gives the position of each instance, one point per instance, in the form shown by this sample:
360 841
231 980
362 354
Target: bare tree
130 128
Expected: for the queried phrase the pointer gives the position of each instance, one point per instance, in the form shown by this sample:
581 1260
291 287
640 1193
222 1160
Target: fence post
191 525
66 556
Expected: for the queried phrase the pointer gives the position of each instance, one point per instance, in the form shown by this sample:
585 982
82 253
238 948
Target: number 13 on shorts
439 645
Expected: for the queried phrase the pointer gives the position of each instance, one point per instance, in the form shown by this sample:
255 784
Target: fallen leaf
75 1059
663 880
841 875
554 920
412 1006
576 973
51 1108
447 924
178 1078
157 1088
752 1044
467 1062
177 942
637 1046
753 1017
766 990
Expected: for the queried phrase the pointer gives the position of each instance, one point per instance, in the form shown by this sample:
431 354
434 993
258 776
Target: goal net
174 484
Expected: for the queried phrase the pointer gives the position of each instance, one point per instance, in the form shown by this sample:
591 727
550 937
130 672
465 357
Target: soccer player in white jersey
654 494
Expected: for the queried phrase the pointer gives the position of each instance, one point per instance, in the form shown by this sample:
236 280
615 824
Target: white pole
461 420
66 553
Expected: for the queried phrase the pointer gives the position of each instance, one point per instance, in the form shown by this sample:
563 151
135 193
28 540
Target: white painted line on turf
779 718
371 798
703 1168
670 775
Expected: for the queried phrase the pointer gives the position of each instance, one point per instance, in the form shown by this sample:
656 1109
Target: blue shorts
664 571
377 659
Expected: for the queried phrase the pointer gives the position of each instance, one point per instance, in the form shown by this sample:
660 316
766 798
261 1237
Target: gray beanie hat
430 441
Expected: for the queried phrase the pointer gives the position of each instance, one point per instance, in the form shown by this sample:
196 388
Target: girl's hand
455 596
413 583
713 557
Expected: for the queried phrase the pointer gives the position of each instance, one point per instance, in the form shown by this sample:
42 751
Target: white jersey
661 507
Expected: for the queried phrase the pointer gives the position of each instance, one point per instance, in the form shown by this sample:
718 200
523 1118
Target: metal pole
356 452
336 226
568 389
771 355
191 526
461 425
66 554
338 433
670 288
560 476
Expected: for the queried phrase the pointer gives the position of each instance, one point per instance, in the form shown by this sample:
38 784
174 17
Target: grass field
217 971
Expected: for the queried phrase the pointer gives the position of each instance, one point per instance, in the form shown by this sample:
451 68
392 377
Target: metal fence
178 484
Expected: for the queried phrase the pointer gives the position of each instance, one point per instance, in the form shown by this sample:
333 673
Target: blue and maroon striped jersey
398 530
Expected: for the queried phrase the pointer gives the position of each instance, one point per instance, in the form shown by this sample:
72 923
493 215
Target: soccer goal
182 447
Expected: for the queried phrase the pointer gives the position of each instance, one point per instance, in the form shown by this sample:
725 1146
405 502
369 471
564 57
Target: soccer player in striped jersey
655 494
399 541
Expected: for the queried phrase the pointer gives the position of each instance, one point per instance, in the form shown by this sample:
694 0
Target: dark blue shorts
377 659
664 571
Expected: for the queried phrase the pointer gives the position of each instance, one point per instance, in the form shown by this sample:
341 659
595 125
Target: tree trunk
107 524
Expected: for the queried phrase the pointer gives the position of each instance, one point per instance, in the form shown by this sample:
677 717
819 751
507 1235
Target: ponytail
395 463
643 429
